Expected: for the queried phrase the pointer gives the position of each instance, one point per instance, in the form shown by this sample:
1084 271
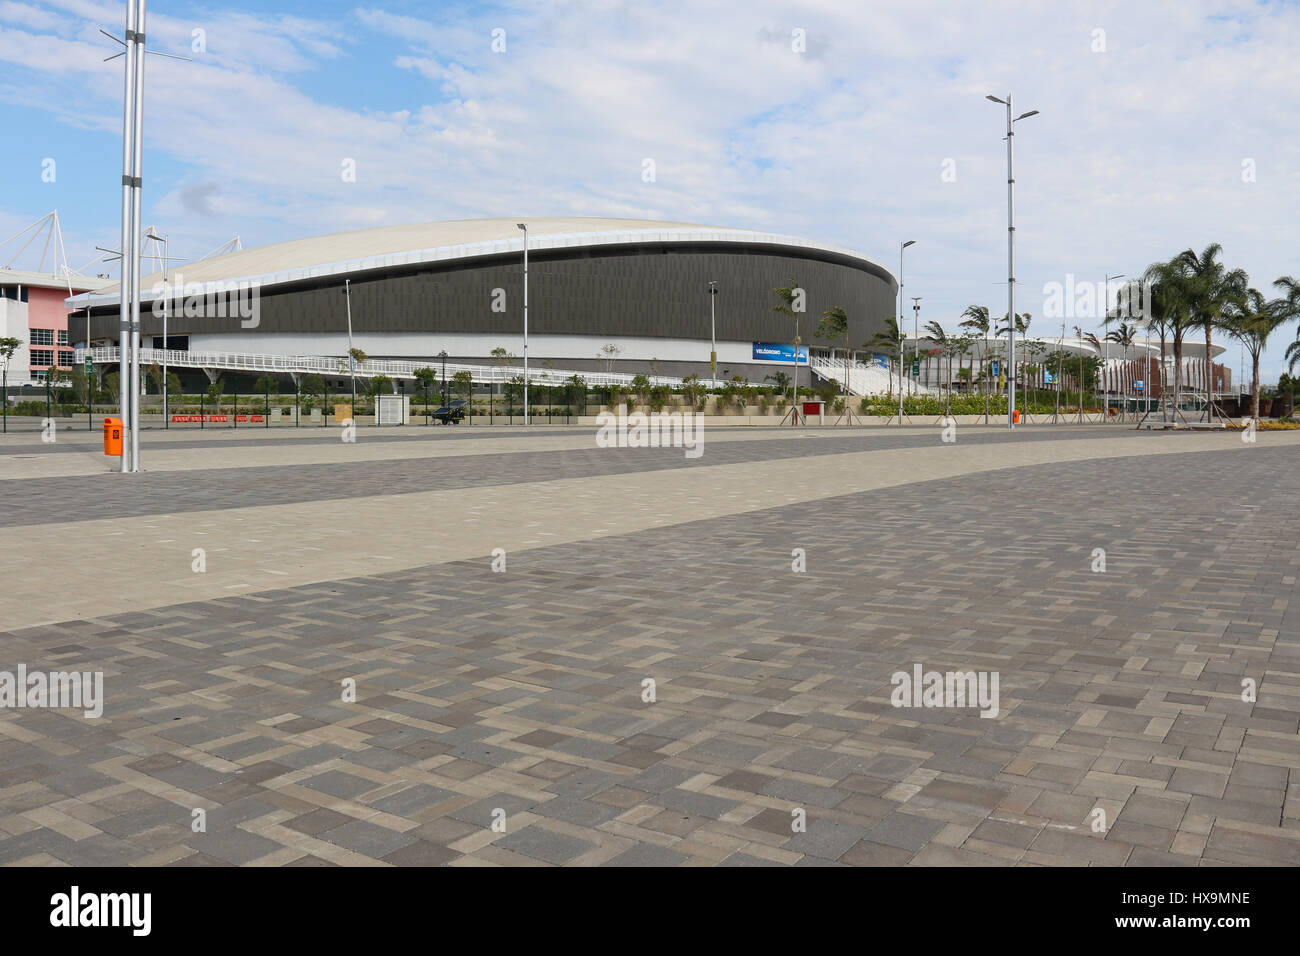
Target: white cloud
1136 154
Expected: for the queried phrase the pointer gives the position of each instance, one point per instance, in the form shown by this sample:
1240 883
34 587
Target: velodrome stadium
607 298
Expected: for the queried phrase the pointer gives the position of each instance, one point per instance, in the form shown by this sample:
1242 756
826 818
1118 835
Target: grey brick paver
1119 690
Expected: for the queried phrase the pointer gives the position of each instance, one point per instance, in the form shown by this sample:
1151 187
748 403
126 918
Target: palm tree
1251 319
890 340
835 322
935 333
1169 309
1211 287
977 320
787 295
1022 327
1123 335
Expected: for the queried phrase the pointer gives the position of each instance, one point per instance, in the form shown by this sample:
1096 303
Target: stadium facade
604 294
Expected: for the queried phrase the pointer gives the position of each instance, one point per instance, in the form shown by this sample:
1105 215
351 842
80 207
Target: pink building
33 311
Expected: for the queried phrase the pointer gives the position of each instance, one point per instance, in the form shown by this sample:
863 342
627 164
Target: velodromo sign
772 352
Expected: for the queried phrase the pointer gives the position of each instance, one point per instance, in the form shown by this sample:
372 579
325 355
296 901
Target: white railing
863 379
338 365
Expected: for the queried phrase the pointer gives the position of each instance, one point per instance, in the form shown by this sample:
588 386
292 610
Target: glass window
65 359
42 337
42 356
63 336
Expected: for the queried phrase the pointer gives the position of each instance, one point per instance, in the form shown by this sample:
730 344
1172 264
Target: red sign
217 418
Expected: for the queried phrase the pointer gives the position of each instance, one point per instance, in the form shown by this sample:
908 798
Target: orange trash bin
112 436
1015 416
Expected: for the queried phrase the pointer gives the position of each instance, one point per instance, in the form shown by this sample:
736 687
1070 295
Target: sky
1162 125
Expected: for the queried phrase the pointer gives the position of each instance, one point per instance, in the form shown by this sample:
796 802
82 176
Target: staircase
863 379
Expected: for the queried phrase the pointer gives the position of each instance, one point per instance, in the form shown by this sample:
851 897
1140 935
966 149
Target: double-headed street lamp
902 341
1011 253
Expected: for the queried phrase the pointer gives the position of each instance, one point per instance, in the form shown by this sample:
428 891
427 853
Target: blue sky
1145 132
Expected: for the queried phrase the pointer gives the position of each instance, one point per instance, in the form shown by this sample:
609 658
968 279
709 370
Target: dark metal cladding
650 290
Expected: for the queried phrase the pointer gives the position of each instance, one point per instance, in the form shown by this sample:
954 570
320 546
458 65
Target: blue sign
881 360
1138 385
771 352
995 366
1048 378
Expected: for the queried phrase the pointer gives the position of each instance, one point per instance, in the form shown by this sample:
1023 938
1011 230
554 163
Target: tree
378 385
641 388
977 320
8 346
694 390
779 379
936 334
312 386
575 393
462 383
1022 329
834 323
1211 287
427 378
1168 308
1251 319
215 389
609 354
267 384
789 296
1123 335
890 340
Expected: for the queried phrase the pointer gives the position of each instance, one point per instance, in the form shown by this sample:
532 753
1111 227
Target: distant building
614 295
33 311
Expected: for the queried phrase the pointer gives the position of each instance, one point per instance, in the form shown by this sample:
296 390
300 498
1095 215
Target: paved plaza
499 599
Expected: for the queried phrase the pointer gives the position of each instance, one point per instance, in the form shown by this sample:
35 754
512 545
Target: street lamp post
902 342
1105 342
352 362
443 355
713 335
153 234
916 341
524 227
1011 253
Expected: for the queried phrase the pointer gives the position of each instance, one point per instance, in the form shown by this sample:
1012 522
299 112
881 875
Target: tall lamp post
1011 253
443 355
352 362
151 233
713 334
902 342
524 227
1105 321
916 341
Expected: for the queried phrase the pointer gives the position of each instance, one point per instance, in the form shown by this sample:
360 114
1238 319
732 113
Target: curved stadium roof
343 253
